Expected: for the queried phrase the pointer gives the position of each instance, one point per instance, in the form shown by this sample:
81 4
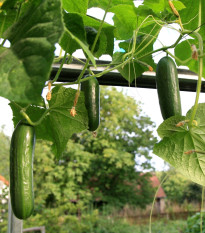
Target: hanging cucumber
90 38
168 88
21 170
91 91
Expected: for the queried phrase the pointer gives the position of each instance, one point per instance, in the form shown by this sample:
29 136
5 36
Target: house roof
155 184
4 180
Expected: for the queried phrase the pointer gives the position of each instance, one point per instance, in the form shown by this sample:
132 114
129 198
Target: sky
148 97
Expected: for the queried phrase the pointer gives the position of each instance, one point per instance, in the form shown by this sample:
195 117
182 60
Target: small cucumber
21 170
91 91
90 37
168 88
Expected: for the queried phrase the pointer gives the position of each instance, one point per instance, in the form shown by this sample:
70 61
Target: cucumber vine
137 39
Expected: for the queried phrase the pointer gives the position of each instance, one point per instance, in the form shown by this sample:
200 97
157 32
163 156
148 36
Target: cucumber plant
26 63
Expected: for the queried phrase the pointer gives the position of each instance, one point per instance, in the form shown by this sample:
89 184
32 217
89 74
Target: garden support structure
70 73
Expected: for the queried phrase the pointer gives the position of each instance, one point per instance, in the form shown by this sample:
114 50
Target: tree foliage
4 155
124 136
178 189
94 169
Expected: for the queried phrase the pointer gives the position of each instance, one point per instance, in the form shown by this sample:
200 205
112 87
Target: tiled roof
4 180
155 184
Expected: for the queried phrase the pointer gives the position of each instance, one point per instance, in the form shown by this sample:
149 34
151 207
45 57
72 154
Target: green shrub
194 223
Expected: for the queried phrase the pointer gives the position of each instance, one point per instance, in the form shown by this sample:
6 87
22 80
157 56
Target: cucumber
21 170
91 91
90 38
168 88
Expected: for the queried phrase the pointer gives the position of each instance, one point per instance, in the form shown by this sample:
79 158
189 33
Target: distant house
4 186
160 197
3 181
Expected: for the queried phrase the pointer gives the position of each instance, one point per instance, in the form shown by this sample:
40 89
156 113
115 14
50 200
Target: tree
101 167
179 189
97 168
4 171
124 135
4 155
192 192
174 185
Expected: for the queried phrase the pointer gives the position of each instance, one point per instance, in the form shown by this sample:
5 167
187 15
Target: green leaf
162 9
8 13
107 30
124 17
189 15
58 125
104 3
168 127
79 6
158 6
74 24
183 51
178 5
131 70
84 47
26 65
74 35
184 148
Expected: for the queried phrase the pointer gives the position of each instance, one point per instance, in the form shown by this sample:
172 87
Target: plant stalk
200 72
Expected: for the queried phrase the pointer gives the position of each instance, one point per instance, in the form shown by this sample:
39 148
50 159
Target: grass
176 226
122 226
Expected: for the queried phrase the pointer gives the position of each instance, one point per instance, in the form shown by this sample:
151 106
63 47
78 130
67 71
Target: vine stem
24 114
18 12
94 43
155 196
200 71
199 17
60 68
120 64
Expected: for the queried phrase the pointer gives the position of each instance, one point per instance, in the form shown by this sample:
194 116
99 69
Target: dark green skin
91 91
90 37
168 88
21 170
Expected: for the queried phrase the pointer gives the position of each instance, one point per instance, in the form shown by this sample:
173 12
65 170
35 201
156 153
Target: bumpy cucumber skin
21 170
91 91
168 88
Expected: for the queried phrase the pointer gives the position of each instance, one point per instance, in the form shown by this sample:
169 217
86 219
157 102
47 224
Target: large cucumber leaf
162 6
26 65
183 52
58 125
74 36
190 14
104 3
79 6
124 17
75 27
182 147
106 36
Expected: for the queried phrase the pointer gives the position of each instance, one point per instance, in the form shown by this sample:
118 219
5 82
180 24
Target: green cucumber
21 170
91 91
90 38
168 88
